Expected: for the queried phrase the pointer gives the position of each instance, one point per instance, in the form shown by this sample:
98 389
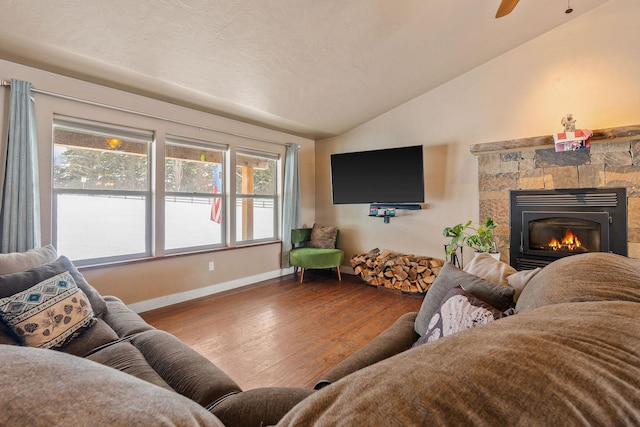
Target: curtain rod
140 113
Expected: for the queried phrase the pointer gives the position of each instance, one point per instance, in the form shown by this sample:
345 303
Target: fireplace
550 224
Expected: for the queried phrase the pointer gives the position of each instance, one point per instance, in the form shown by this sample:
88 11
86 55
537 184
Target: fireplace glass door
559 234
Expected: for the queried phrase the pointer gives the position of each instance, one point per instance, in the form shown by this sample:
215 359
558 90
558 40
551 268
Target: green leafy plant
478 237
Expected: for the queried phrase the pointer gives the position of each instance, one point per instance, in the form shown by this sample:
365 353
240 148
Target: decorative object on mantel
571 139
409 273
479 237
569 123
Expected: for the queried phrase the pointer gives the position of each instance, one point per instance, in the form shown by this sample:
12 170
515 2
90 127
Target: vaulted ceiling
314 68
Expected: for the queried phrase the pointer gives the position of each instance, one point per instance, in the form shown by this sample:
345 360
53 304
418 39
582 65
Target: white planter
495 255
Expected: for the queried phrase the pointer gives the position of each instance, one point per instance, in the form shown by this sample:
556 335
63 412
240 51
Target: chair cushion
300 235
316 258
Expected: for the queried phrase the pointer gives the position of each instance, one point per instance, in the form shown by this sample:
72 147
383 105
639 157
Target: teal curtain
291 210
20 211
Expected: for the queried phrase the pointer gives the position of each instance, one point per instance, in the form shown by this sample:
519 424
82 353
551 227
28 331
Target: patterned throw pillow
458 311
498 296
49 314
323 237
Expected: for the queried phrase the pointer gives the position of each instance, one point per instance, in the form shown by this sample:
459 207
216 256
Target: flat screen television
394 175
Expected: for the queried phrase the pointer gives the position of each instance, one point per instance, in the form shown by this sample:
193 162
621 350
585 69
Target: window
111 203
194 195
101 191
255 196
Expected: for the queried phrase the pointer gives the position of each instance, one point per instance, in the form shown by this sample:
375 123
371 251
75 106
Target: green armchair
305 255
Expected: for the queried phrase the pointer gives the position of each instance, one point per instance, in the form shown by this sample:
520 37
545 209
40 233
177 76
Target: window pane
101 185
255 175
192 217
100 226
191 222
255 216
193 169
85 161
255 219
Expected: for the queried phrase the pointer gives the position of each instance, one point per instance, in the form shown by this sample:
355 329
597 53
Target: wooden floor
280 332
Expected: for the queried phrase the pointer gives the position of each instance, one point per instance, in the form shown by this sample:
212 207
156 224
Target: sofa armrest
397 338
122 319
184 369
258 407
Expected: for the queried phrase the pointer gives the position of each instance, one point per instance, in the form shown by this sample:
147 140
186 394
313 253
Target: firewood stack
409 273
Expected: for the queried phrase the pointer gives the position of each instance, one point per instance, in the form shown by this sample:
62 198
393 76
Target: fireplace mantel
538 142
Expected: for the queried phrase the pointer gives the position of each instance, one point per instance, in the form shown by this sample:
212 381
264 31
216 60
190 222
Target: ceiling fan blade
506 7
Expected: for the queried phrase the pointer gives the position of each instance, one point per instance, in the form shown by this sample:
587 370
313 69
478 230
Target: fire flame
569 242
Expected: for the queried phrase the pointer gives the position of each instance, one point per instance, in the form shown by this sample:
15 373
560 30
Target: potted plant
476 236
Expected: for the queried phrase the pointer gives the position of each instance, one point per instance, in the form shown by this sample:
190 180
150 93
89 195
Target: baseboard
154 303
347 270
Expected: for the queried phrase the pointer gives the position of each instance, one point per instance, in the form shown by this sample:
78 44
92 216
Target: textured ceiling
314 68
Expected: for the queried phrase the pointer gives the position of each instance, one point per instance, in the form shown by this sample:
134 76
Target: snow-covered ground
101 226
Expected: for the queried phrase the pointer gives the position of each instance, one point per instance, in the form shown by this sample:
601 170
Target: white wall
187 275
589 67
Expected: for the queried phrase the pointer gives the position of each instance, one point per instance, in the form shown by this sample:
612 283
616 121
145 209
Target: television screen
393 175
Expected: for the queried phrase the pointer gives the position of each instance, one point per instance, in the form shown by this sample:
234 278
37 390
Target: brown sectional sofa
122 340
571 355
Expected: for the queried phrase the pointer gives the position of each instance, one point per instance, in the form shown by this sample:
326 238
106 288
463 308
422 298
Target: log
409 273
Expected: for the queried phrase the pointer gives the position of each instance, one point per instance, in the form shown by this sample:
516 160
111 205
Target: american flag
216 208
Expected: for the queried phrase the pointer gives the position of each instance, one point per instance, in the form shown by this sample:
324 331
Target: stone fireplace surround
532 164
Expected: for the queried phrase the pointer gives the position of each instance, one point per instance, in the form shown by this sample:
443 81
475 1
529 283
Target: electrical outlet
212 266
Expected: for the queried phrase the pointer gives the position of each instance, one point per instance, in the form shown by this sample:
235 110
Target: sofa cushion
17 282
98 335
125 357
594 276
519 280
122 319
20 261
162 359
500 297
258 407
323 237
43 388
490 269
460 310
576 362
185 370
48 314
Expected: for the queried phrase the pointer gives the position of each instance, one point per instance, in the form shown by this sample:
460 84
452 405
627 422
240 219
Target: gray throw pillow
20 261
323 237
498 296
13 283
